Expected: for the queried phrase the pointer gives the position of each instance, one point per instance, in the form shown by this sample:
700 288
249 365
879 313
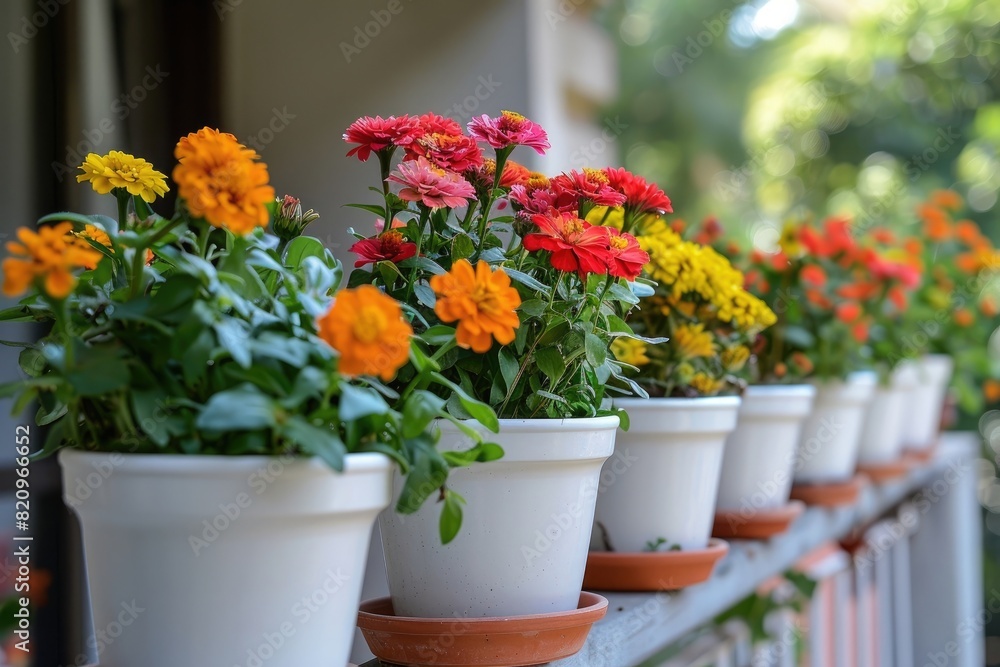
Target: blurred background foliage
763 111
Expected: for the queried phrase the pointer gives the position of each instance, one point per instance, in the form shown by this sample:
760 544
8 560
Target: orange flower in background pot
848 312
964 317
367 328
937 226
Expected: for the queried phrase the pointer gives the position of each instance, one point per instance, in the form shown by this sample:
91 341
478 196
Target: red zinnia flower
509 129
573 187
375 134
710 232
432 123
813 275
626 258
640 195
848 312
575 244
387 247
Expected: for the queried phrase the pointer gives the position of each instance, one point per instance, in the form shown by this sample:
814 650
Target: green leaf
371 208
425 295
462 247
301 247
316 440
428 472
424 264
451 516
439 334
98 369
550 361
533 307
421 408
508 366
596 349
527 281
242 408
150 415
234 337
624 294
358 402
799 337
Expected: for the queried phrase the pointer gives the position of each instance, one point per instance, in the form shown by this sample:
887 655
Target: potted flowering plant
758 463
515 301
678 435
951 316
818 286
891 277
203 385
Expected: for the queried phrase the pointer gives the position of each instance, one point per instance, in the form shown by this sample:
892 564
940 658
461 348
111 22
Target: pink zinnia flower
430 185
575 244
380 224
375 134
454 152
509 129
640 195
574 187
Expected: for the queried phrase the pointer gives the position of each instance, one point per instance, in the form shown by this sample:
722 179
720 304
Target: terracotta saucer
921 455
831 494
886 472
757 524
652 571
509 641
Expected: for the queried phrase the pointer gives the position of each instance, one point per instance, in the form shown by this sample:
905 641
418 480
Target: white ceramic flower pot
882 435
831 434
760 454
522 548
664 477
224 560
926 401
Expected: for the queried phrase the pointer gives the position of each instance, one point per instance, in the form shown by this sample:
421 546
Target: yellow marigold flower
789 240
734 358
693 341
96 234
749 313
705 384
221 181
121 170
629 351
368 330
481 300
50 254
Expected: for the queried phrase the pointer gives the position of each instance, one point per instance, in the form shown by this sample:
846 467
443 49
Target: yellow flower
221 181
96 234
368 330
693 341
52 253
734 358
121 170
629 351
481 300
749 313
789 240
705 384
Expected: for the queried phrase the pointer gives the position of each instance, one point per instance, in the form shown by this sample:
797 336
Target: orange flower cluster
49 255
481 300
221 180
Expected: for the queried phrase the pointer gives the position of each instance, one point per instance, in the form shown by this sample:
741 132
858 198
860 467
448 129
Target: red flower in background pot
575 244
626 258
574 188
387 247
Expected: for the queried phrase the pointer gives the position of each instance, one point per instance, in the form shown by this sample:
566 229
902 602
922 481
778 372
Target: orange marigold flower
780 369
913 246
848 312
883 235
50 254
481 300
991 391
937 226
802 362
968 262
948 199
964 317
898 297
968 233
220 180
368 330
988 307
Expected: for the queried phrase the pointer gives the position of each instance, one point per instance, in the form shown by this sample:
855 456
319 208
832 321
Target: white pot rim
781 390
540 425
697 403
214 464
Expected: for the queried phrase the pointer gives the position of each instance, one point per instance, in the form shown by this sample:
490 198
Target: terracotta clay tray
831 494
510 641
652 571
886 472
757 524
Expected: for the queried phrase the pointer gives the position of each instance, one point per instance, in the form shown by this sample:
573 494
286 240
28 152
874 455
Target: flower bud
289 220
